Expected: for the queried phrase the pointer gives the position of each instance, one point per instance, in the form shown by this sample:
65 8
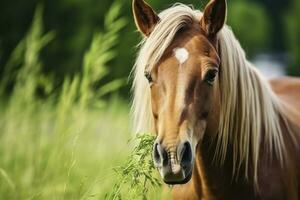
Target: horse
223 131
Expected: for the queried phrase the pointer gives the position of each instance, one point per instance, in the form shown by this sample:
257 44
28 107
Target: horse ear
144 16
214 17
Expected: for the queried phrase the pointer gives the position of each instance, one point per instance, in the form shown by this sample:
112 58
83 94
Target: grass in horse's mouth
138 171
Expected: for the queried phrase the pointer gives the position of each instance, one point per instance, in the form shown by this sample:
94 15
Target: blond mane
248 105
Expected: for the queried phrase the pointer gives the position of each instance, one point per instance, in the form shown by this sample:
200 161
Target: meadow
72 141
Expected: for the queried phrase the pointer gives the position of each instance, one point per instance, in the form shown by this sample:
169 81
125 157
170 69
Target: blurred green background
260 25
64 88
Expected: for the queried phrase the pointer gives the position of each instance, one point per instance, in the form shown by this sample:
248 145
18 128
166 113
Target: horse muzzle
175 165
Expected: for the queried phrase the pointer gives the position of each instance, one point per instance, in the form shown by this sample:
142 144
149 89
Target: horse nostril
156 155
186 154
160 156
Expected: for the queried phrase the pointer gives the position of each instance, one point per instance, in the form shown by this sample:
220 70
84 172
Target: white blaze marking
181 54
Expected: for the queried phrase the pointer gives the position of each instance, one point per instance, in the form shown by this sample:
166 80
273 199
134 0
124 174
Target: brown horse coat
212 182
223 131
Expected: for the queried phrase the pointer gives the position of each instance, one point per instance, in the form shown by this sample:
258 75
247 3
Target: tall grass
66 146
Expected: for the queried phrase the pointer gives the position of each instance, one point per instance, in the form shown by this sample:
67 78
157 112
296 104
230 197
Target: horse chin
180 182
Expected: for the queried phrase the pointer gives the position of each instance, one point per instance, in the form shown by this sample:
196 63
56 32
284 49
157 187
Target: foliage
100 53
250 24
136 175
293 39
24 66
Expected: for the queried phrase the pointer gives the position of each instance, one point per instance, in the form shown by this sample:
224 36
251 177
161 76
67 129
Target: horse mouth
180 182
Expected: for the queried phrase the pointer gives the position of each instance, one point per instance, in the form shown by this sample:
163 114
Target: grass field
71 141
47 153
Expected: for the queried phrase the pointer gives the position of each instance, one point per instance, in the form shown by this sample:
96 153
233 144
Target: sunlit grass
40 160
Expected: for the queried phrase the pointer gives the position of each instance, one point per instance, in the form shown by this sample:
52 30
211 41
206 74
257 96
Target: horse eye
210 76
148 77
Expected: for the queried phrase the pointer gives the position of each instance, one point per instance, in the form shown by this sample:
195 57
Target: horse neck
216 181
